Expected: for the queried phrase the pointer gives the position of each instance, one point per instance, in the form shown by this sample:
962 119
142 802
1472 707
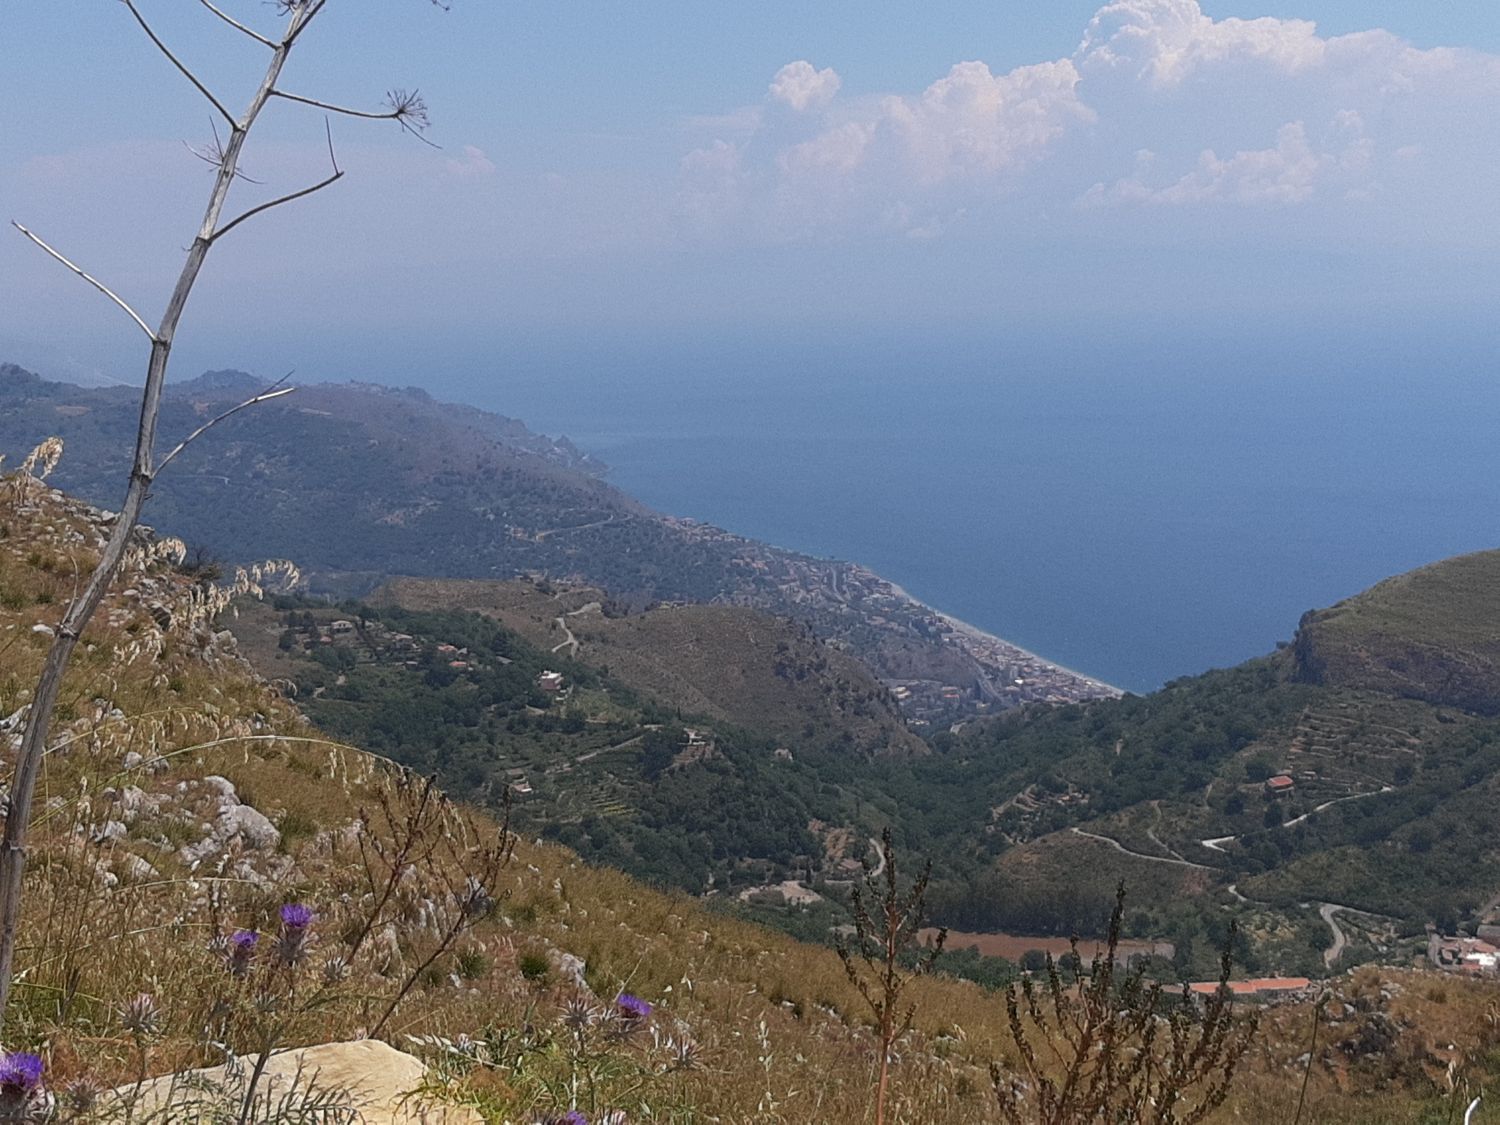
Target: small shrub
471 963
1097 1047
533 966
294 826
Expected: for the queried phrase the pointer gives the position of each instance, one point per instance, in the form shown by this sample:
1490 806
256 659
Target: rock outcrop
372 1079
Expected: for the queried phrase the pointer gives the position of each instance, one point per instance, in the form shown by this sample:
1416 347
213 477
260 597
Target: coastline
837 594
985 638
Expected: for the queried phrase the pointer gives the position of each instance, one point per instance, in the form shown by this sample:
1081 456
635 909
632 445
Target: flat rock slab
374 1080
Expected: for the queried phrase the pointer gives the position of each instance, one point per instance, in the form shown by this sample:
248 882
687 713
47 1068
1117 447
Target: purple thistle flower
573 1117
632 1007
295 938
20 1073
240 951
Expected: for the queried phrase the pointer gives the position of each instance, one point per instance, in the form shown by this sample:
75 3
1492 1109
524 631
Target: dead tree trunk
406 109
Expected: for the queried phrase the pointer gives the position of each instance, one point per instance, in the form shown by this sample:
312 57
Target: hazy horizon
1135 505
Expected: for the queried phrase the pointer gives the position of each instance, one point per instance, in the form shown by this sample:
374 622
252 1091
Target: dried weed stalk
886 953
1102 1047
407 111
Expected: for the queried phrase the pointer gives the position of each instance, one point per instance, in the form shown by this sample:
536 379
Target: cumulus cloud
1248 113
471 162
877 160
803 87
1164 42
1290 172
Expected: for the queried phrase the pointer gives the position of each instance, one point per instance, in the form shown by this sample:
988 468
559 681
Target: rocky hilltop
1431 634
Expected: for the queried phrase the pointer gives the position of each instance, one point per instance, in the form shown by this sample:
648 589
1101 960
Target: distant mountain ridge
360 483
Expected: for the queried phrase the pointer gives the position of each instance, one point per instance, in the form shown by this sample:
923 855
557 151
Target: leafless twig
406 108
265 396
188 74
319 186
214 155
338 174
94 281
234 23
886 926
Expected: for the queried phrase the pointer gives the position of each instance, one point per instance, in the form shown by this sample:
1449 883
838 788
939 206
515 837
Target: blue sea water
1135 505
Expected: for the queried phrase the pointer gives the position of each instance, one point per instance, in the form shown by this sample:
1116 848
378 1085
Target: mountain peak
227 382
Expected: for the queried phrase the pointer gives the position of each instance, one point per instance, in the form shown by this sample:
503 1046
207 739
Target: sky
682 167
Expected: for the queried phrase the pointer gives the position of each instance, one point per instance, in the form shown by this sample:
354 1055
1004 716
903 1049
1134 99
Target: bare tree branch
265 396
234 23
188 74
94 281
407 109
328 133
338 174
32 751
309 12
229 226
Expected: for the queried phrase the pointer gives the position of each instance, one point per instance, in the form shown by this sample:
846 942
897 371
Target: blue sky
695 167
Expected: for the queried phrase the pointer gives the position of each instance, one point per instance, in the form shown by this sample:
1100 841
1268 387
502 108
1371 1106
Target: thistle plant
886 924
1106 1047
588 1061
22 1094
141 1018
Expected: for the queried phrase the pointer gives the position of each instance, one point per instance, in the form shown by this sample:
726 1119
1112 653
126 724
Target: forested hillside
1382 811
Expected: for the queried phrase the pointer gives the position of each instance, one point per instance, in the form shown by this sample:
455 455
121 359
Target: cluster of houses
372 640
1472 956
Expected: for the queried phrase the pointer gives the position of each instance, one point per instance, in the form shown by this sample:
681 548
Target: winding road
1216 843
1119 847
571 644
1326 911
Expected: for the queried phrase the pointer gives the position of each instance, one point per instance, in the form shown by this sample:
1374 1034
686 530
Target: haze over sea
1137 506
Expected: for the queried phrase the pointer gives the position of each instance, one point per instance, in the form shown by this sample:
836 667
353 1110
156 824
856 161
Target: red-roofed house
1260 987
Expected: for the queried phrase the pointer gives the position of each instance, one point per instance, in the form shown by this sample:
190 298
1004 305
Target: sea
1135 504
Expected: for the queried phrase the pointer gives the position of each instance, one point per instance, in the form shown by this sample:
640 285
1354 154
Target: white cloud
972 122
862 159
471 162
1248 113
1164 42
1290 172
803 87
